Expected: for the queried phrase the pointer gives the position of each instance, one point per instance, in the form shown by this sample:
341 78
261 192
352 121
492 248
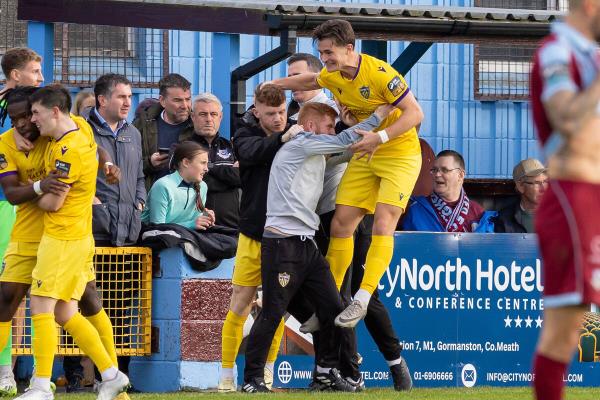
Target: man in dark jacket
165 124
531 182
223 177
255 143
117 208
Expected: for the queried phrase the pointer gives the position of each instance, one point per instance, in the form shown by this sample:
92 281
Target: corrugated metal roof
374 21
385 10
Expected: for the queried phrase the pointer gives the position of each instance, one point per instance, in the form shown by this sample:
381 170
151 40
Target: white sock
322 370
226 373
363 297
6 370
270 366
41 384
108 374
394 362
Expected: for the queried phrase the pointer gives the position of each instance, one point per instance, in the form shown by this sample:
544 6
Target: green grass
482 393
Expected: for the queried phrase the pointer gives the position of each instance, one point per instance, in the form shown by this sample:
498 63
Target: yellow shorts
387 180
246 271
19 261
63 268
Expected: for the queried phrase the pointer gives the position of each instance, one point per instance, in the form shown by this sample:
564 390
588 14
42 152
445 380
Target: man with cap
531 182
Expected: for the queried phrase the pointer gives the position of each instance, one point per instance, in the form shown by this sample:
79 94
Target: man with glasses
531 182
447 209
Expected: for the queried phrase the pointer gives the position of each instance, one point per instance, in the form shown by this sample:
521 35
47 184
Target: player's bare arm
53 202
17 193
568 111
412 115
304 81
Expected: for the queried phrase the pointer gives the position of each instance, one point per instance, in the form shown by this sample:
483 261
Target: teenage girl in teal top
179 197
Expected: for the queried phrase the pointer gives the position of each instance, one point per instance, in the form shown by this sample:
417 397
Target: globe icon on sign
284 372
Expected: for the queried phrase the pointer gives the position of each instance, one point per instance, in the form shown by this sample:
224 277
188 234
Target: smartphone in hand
164 150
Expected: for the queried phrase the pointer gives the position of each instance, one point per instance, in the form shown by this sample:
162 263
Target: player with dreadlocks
21 67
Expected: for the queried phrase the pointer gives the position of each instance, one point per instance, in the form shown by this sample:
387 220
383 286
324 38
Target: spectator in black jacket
531 182
256 141
223 177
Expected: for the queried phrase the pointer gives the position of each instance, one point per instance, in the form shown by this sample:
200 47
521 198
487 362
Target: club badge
284 279
365 91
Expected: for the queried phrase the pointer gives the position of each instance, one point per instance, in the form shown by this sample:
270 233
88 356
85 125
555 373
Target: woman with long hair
179 197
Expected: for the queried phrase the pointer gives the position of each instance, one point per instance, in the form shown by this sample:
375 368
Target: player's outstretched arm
305 81
18 193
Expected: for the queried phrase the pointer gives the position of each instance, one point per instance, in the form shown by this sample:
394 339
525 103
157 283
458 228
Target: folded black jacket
204 249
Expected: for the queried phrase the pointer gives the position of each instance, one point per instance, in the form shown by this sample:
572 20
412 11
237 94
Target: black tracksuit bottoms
291 265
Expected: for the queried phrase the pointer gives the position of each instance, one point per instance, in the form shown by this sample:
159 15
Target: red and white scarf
452 218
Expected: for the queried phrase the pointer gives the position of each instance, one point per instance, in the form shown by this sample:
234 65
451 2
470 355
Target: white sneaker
351 315
108 390
227 385
8 386
36 394
310 325
268 378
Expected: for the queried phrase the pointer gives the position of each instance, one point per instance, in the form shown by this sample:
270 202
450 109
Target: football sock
394 362
44 344
104 327
548 382
274 349
6 343
339 256
88 340
378 259
231 338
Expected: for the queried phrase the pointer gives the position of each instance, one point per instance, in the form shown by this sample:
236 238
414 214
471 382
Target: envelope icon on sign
469 375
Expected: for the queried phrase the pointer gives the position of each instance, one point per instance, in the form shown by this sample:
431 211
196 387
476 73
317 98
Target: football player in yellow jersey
18 170
66 248
381 183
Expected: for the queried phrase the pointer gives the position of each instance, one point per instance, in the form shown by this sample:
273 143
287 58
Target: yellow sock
378 259
5 333
274 349
104 327
339 256
88 340
231 338
45 340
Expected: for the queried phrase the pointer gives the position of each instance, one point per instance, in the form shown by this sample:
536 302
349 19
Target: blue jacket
421 217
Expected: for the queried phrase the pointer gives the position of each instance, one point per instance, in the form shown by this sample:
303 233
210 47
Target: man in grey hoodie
291 261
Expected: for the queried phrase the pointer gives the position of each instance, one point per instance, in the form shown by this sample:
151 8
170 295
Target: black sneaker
75 384
401 376
359 383
256 385
334 381
318 386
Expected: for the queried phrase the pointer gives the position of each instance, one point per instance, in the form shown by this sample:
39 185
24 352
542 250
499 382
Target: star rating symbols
538 322
518 321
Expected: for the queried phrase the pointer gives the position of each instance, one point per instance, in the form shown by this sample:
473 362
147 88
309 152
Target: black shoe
256 385
401 376
334 381
318 386
75 384
359 384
